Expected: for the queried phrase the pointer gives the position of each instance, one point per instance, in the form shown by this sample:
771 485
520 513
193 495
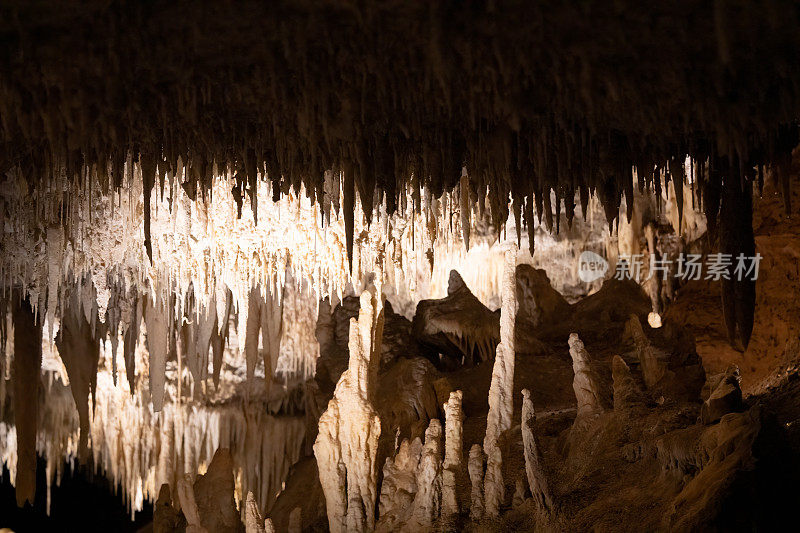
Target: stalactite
158 332
736 238
79 350
465 206
26 365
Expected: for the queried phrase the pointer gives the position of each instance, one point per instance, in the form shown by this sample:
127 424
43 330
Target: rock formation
586 383
347 443
725 396
501 402
534 468
452 466
426 506
458 325
26 364
476 475
626 392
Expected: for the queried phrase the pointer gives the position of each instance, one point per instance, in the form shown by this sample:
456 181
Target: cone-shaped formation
501 402
452 465
586 383
476 475
347 443
626 392
537 482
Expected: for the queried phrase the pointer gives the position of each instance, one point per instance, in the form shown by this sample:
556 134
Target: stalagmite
399 486
537 482
501 403
653 368
347 443
253 523
427 502
475 468
268 527
626 391
452 453
26 365
586 381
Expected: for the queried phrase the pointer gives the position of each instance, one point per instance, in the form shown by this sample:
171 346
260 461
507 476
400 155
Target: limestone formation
189 506
458 325
79 350
426 507
586 382
347 443
626 391
26 365
534 467
253 523
157 321
501 402
399 486
519 494
452 465
475 467
725 396
653 368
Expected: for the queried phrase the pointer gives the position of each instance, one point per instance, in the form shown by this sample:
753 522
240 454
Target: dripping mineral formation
317 267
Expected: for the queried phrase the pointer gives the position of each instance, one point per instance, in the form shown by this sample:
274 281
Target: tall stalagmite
501 402
347 444
534 468
452 453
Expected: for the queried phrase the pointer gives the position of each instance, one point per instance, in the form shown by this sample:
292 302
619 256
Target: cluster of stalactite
392 98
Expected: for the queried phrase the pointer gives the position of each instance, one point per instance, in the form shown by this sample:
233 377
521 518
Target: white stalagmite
347 444
501 402
427 502
399 486
537 482
475 467
452 453
585 383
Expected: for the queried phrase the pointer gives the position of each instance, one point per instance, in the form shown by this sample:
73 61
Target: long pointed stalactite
27 365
